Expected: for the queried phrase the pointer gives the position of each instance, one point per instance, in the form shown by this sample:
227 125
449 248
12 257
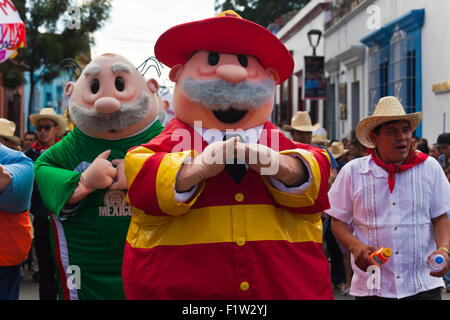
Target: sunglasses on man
46 127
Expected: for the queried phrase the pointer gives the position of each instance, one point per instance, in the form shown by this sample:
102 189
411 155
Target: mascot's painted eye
213 58
95 86
120 84
243 60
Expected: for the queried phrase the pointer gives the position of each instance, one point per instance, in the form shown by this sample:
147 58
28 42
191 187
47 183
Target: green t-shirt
88 241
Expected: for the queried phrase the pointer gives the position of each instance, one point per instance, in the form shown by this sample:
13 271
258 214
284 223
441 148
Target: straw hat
301 121
337 149
388 109
49 113
7 129
225 33
318 139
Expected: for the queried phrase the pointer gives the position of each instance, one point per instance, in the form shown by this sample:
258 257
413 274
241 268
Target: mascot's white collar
250 135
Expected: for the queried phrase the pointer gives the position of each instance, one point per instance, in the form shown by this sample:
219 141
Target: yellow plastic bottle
380 256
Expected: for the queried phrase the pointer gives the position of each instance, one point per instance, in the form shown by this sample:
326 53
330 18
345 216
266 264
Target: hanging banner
12 30
314 84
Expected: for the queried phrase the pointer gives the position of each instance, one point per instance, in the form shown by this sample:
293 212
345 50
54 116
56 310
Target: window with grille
378 74
394 62
403 70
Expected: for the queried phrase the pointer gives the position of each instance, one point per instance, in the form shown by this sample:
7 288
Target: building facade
371 48
375 48
294 34
49 94
14 104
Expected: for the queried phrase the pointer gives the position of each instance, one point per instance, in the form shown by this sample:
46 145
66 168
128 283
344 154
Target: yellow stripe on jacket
223 224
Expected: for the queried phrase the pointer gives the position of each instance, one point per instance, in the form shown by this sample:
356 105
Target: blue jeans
9 283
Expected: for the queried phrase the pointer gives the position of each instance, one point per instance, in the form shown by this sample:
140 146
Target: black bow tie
236 169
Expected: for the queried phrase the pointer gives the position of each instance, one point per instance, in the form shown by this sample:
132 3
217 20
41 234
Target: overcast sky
135 25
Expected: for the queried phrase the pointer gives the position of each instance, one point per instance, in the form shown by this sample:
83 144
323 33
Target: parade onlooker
379 194
319 141
443 144
340 276
422 146
301 127
339 153
346 143
49 127
434 151
301 130
16 183
7 137
29 138
357 150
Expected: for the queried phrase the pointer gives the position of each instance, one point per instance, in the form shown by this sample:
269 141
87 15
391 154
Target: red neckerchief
39 147
414 158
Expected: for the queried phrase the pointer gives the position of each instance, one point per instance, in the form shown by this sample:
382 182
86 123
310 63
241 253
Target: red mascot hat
225 33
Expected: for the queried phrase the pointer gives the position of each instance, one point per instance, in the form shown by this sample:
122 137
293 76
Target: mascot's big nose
106 105
232 73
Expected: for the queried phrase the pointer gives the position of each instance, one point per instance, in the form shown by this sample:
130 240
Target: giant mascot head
111 99
226 69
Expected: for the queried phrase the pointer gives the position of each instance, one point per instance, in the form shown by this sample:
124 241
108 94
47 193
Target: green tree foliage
54 33
262 12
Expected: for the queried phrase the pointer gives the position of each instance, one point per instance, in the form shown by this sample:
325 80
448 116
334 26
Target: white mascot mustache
220 95
89 120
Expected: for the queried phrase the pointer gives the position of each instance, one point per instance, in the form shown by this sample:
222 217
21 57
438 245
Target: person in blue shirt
16 184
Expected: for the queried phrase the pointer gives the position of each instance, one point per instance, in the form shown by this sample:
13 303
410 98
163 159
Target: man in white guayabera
396 197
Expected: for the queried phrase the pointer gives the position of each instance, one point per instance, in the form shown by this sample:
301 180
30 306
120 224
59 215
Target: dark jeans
433 294
9 283
337 267
47 280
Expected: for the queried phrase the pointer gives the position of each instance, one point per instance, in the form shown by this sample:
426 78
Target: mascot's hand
121 183
258 157
5 178
100 174
207 164
266 161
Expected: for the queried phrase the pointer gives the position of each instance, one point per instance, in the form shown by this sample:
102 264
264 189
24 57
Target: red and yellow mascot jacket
231 241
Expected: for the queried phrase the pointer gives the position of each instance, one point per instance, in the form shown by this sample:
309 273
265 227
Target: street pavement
29 290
